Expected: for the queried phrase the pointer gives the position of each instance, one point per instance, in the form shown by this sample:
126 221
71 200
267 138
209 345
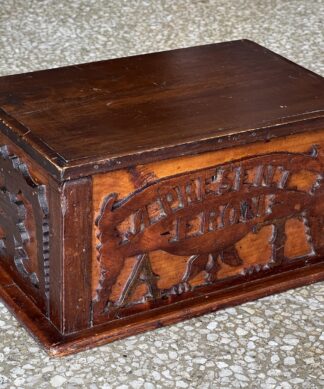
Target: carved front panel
175 237
24 228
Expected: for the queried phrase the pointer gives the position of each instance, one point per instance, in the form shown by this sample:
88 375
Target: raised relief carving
24 225
203 216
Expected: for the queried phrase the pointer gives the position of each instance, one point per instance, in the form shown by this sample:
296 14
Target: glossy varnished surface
110 114
165 236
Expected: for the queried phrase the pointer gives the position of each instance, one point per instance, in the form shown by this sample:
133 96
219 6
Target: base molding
57 344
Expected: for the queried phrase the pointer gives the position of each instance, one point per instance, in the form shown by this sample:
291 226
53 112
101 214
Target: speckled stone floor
276 342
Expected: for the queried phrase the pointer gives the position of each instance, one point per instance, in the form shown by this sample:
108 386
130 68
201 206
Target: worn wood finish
164 104
57 344
77 216
24 226
171 238
139 192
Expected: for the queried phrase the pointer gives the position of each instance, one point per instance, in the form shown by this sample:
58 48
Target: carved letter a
142 273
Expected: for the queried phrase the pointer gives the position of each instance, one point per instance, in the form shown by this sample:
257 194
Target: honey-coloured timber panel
142 191
172 230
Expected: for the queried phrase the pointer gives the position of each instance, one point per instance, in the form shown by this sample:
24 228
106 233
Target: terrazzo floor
275 342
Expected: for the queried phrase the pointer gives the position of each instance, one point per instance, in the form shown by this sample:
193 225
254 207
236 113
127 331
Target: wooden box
141 191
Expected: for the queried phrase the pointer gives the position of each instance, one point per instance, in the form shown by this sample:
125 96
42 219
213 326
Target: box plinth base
181 183
57 344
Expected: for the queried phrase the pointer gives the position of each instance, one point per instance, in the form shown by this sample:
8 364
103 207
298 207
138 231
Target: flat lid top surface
124 107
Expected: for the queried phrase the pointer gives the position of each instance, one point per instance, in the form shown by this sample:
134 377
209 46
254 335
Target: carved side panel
24 227
187 234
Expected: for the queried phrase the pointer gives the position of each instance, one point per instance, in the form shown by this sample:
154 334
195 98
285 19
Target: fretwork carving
204 215
24 223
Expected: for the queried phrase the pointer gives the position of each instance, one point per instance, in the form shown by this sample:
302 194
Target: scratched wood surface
75 119
169 231
177 198
24 224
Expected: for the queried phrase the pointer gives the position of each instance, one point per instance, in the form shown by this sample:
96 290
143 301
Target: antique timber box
141 191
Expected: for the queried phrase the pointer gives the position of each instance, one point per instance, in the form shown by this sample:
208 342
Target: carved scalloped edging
289 163
22 237
27 187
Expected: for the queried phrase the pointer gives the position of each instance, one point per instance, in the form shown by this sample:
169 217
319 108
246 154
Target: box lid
83 119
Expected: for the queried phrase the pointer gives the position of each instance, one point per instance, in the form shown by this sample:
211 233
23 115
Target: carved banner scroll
24 227
202 218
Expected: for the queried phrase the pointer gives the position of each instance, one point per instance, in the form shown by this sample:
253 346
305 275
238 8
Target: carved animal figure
203 214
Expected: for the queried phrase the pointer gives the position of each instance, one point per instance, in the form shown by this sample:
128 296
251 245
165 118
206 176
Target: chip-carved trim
19 191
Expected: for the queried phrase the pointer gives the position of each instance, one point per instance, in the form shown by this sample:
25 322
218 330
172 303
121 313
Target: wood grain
57 344
76 203
24 227
201 215
82 119
139 192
